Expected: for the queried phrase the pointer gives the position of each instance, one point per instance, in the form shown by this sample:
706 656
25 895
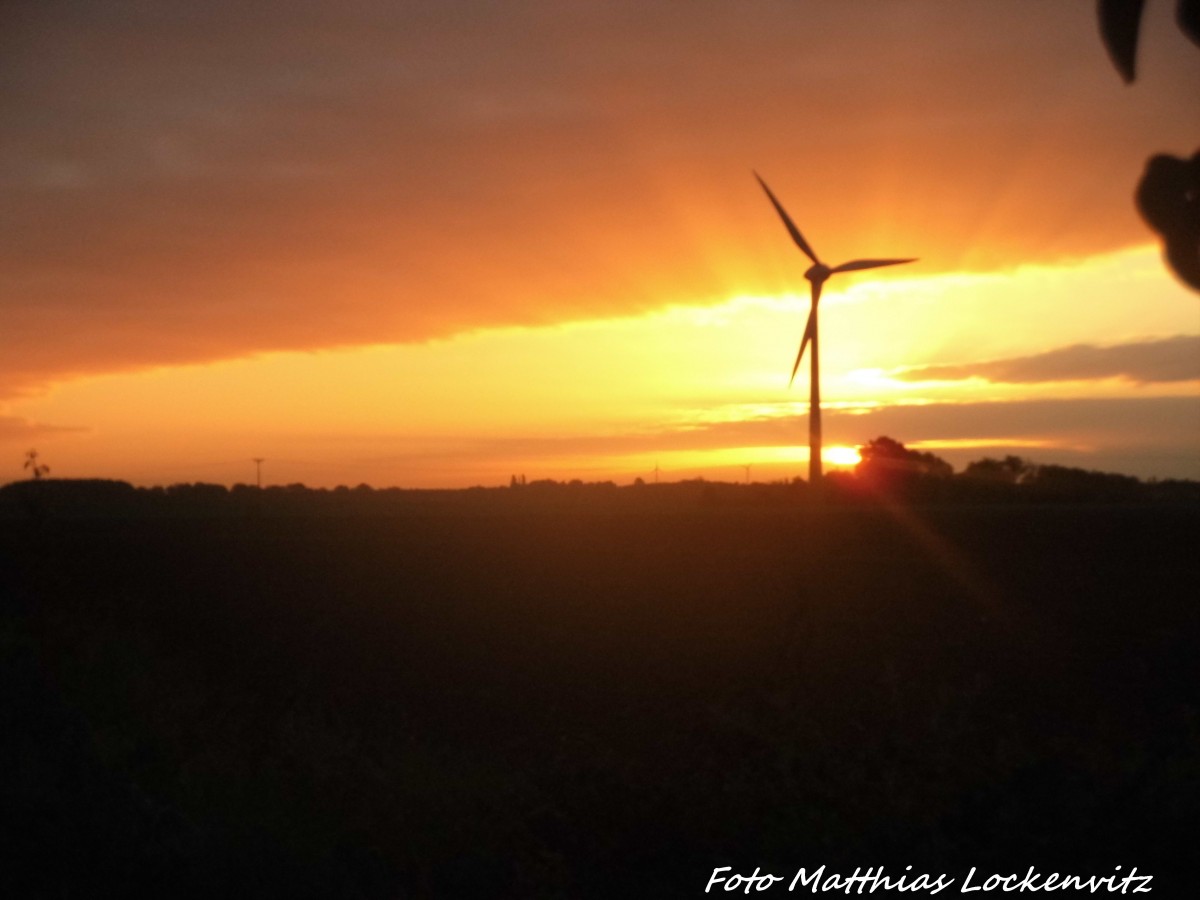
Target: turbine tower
818 273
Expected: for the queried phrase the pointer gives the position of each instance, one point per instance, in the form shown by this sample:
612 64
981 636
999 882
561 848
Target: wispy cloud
1144 362
14 428
1143 436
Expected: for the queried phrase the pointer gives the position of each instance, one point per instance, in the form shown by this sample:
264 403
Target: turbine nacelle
818 273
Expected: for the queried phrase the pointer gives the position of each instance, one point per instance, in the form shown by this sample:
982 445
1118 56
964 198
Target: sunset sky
435 244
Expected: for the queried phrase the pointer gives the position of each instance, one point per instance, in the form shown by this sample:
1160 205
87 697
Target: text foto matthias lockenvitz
874 878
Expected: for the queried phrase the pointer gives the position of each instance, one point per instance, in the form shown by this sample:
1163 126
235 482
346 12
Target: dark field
595 703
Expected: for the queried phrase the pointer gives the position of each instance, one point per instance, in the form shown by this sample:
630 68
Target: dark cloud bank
1162 360
182 182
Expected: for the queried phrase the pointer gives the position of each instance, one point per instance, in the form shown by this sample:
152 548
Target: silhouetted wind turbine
818 273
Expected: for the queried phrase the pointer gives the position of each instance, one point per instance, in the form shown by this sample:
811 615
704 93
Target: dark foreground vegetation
590 691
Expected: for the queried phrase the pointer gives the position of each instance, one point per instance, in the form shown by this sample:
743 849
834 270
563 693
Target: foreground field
587 703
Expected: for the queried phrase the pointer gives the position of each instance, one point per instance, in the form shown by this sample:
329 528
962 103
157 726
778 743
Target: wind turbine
818 273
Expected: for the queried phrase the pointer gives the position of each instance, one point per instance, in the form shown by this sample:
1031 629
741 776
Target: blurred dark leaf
1120 22
1187 15
1120 25
1168 197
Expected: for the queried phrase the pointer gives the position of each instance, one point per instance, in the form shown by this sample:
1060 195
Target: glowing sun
841 456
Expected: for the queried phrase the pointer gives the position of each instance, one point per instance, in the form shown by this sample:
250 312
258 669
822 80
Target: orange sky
433 244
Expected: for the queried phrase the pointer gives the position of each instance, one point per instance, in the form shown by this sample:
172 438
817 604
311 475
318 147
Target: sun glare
841 456
703 390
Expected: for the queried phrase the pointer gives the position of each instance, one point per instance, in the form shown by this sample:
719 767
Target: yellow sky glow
440 244
570 400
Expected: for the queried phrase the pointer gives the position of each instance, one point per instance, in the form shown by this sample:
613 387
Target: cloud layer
1154 436
16 428
1143 362
183 182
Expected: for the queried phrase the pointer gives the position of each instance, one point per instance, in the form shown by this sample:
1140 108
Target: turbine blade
808 333
787 220
869 264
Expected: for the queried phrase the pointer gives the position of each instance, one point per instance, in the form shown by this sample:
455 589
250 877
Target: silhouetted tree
885 458
1009 470
889 468
1078 485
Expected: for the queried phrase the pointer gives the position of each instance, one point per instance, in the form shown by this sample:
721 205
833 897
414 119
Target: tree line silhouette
888 471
